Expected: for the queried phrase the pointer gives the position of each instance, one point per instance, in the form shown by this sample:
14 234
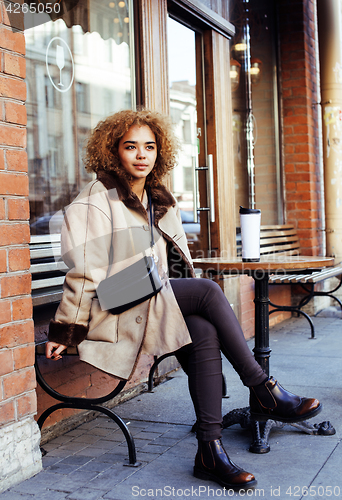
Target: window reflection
255 108
183 110
79 70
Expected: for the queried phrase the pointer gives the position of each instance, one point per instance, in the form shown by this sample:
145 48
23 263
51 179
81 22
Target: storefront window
79 70
255 108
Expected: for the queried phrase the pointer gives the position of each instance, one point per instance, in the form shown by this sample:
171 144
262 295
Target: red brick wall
73 377
17 377
278 295
300 139
247 305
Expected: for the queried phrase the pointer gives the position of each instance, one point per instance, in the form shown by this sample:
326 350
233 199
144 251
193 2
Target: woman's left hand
53 350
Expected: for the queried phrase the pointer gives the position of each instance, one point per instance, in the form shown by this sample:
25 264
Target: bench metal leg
123 426
328 293
154 367
332 296
91 404
297 310
310 289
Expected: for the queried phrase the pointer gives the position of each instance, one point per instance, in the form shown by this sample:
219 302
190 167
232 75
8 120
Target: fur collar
161 197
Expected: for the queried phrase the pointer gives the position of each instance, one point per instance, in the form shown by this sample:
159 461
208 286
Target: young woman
106 229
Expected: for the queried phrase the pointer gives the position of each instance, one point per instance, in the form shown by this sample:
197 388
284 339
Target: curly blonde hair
102 146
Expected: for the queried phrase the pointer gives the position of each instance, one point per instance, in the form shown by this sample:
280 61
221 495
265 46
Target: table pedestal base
261 430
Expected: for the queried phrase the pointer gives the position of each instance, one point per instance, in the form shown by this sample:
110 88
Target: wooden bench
48 271
283 239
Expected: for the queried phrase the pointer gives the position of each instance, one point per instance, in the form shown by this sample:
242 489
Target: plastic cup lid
245 211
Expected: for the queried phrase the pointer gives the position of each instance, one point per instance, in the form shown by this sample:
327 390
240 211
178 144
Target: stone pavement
87 463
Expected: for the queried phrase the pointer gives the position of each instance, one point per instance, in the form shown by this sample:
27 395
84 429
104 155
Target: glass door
190 179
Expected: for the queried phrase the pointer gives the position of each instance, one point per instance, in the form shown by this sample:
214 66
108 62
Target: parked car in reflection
49 223
189 225
192 230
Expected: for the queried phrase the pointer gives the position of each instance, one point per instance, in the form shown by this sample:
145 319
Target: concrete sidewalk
87 463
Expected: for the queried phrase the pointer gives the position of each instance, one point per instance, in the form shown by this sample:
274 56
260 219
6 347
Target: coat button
138 319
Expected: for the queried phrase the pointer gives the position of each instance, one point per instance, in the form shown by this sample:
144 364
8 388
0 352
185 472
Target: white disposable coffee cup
250 234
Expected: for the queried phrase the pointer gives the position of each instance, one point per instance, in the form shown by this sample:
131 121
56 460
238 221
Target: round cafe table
260 272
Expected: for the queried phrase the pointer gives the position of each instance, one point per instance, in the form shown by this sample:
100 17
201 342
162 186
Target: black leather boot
270 400
213 463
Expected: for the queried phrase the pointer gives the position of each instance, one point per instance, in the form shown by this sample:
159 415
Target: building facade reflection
76 76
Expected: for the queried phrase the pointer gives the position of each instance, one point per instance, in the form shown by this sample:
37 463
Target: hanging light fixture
235 68
255 71
239 49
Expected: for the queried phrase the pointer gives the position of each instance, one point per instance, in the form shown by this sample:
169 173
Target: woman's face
138 151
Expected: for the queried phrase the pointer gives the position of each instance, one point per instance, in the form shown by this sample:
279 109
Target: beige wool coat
105 230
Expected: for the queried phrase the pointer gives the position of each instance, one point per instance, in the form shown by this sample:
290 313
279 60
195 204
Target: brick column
19 435
300 138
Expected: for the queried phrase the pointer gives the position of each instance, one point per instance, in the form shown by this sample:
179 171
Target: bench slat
277 226
285 278
295 278
275 249
277 234
45 252
48 267
325 274
47 283
45 239
46 298
315 277
280 240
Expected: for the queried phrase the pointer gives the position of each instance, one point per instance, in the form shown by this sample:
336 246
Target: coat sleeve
86 246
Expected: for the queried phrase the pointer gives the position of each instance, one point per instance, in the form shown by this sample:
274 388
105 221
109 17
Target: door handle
210 190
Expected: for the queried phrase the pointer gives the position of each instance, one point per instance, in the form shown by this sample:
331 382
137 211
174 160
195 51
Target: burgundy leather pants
213 329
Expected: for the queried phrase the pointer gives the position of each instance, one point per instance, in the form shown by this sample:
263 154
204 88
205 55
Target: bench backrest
47 270
279 239
275 239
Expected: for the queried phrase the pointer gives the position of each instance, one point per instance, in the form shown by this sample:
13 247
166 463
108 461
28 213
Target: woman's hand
53 350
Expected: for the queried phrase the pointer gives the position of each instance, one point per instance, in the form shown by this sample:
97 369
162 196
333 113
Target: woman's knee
211 292
209 285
